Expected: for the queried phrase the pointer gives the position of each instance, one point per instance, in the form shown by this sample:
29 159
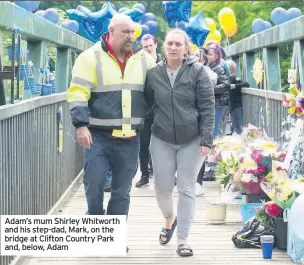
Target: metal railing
259 104
33 173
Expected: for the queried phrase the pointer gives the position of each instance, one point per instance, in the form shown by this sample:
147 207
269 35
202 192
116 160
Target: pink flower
257 156
285 103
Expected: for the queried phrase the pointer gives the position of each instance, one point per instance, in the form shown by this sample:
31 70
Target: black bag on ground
249 236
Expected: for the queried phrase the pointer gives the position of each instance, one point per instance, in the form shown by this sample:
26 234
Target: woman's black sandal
184 250
167 233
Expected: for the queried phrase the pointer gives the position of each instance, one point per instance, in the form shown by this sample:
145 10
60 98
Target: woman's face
211 56
175 47
197 53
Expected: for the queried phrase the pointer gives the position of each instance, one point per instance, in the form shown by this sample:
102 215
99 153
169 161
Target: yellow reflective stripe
99 71
78 103
126 101
82 82
78 93
115 122
144 67
121 134
118 87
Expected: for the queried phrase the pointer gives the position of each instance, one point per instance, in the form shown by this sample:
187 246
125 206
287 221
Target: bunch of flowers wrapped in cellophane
255 164
279 187
255 167
225 171
251 133
294 101
227 143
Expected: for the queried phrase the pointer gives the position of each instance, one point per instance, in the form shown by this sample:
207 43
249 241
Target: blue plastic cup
267 246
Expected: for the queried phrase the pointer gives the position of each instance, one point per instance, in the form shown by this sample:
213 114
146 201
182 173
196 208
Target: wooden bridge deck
211 243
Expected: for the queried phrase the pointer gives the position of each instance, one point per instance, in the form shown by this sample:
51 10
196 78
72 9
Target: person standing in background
236 109
149 44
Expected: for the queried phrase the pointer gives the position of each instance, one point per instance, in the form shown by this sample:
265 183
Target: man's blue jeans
122 157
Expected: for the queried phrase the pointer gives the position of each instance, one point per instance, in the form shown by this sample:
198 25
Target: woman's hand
204 150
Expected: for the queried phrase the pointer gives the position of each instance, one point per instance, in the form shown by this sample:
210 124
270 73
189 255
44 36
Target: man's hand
204 150
232 86
84 137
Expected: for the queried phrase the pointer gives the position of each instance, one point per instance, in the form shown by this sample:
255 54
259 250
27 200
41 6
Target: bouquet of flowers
225 171
279 188
269 213
228 143
255 167
294 101
251 133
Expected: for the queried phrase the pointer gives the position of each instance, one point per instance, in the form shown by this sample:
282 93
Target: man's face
149 46
123 36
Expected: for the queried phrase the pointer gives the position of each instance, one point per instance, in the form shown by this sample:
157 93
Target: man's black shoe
142 182
107 187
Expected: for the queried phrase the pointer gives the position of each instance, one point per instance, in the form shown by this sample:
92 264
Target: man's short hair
148 37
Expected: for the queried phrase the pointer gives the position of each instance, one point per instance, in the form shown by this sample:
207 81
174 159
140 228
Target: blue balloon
104 14
153 27
135 14
51 14
267 25
177 11
293 13
258 25
279 15
144 30
181 25
140 6
92 25
148 17
197 29
71 25
28 5
83 9
39 13
123 9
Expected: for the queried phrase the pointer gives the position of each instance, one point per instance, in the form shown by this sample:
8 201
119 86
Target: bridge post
3 83
298 59
248 62
271 59
237 61
38 55
63 69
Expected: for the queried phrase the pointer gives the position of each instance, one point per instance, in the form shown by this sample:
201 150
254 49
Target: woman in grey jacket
182 133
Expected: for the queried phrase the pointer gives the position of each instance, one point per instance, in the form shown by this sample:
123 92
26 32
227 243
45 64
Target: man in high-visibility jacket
107 104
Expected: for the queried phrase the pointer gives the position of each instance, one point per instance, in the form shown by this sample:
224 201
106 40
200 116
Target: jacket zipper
122 72
181 71
172 105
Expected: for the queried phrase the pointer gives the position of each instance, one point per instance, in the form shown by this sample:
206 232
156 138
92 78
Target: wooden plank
211 244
